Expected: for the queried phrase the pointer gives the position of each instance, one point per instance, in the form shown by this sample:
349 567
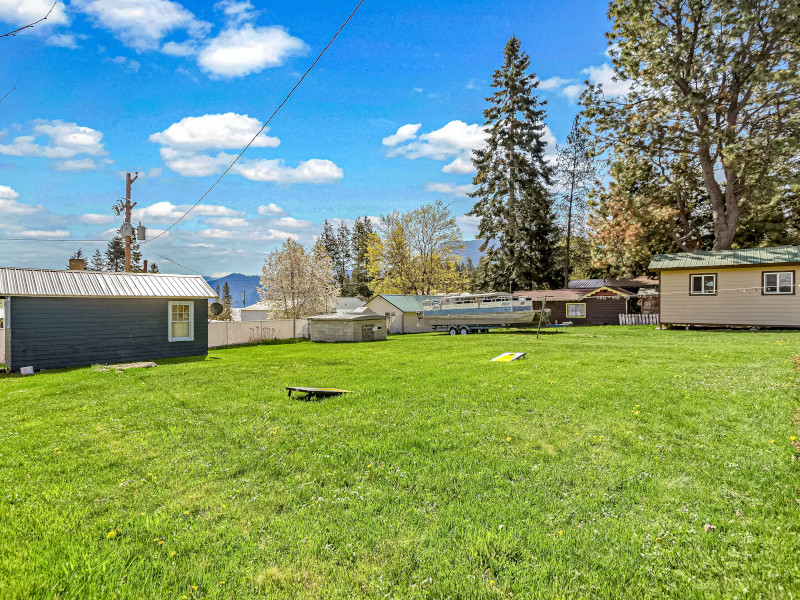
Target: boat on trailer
462 313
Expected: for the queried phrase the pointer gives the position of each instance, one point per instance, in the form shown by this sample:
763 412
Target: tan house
748 287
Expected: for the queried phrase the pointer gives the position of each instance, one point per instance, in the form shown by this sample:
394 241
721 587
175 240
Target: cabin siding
49 332
730 305
604 311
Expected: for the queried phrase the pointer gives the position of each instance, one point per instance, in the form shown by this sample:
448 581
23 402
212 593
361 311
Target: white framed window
576 311
781 282
181 321
704 285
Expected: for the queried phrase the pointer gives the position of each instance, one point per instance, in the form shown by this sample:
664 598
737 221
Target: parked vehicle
475 313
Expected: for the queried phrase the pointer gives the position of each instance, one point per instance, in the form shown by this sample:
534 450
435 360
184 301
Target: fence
2 346
651 319
234 333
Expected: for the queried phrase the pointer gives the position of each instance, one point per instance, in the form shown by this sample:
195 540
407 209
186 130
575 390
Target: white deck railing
638 319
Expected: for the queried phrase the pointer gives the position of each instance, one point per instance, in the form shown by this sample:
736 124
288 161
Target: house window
181 321
576 311
779 283
704 285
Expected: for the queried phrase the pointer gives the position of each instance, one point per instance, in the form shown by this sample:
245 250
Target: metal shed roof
726 258
40 282
406 302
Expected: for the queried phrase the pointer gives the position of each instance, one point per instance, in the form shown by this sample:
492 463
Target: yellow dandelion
161 543
112 533
793 438
508 439
772 441
186 512
172 553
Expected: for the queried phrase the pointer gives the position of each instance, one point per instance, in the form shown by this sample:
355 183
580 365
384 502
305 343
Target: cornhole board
508 356
315 392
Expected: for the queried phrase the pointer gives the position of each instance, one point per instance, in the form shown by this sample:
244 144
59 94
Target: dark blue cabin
59 319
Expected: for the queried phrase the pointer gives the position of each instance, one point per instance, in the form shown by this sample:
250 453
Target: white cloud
163 212
417 90
25 12
9 205
142 24
95 219
292 223
460 165
240 52
604 74
64 40
81 164
182 142
252 235
403 134
468 225
473 84
66 141
124 61
573 91
553 83
271 210
45 233
314 170
454 139
190 164
154 172
449 189
185 48
217 131
237 11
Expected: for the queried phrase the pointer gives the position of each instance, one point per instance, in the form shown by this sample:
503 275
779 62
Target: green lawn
588 469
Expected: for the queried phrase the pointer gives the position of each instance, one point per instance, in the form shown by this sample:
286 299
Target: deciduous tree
714 102
296 283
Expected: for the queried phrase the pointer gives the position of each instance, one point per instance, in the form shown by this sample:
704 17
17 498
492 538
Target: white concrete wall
233 333
254 315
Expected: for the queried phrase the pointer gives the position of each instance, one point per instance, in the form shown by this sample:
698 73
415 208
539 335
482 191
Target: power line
264 126
167 258
48 240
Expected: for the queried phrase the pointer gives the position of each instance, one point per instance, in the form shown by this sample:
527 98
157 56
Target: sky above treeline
387 119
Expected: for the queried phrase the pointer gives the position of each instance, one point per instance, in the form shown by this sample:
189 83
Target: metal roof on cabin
626 282
406 302
40 282
726 258
569 295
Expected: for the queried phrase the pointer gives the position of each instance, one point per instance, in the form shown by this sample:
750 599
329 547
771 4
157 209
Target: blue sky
386 120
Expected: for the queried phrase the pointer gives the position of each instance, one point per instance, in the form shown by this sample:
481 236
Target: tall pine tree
362 230
515 208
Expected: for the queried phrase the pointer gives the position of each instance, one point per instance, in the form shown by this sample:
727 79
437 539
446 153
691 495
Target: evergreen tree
115 254
575 173
360 279
517 223
227 301
217 290
153 268
136 254
343 255
97 263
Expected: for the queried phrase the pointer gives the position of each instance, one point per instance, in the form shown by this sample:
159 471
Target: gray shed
75 318
361 325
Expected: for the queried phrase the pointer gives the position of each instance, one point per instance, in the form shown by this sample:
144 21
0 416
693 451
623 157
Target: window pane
180 330
785 283
770 283
697 284
709 284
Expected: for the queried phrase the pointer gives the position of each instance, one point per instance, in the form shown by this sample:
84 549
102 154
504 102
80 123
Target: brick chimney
77 264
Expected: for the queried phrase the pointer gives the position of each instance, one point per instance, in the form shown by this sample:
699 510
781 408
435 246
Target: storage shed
361 325
746 287
75 318
402 311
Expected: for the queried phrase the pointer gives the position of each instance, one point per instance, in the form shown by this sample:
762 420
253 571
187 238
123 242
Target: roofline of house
746 266
99 272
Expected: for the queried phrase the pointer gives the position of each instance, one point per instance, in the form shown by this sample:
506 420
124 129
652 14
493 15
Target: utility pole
127 228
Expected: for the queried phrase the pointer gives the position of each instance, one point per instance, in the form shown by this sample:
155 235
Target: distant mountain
238 283
472 250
